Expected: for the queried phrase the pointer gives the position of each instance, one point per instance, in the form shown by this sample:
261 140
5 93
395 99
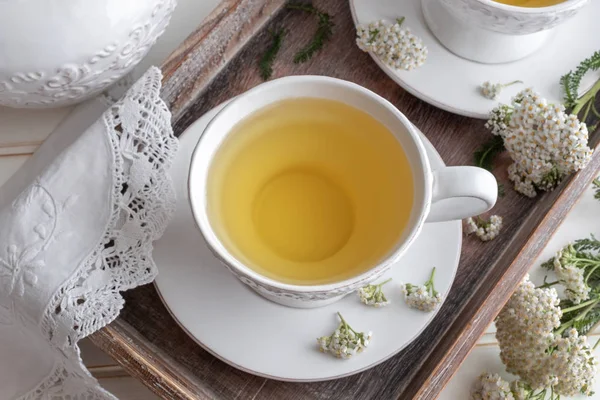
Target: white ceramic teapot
59 52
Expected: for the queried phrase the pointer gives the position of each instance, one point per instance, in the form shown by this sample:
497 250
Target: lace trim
143 202
72 382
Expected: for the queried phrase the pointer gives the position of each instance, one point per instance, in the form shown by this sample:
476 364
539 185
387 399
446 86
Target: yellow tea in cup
530 3
310 191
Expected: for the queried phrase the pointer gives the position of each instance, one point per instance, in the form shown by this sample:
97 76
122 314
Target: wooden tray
219 61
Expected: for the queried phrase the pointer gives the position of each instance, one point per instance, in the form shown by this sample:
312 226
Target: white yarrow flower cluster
491 387
423 298
499 120
520 390
573 362
544 142
492 90
418 297
344 342
372 295
525 331
396 46
484 230
540 341
570 276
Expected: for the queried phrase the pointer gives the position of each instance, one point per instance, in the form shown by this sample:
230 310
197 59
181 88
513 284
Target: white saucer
452 83
263 338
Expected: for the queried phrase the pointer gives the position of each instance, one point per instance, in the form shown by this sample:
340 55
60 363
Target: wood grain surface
219 61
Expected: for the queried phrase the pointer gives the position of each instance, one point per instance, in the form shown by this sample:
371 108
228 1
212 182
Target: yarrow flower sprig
544 344
344 342
571 359
573 362
393 44
423 298
571 272
545 143
484 230
492 90
372 295
525 331
577 267
491 386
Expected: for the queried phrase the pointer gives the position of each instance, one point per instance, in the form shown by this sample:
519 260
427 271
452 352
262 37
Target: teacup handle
461 192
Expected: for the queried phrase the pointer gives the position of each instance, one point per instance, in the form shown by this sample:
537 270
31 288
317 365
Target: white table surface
21 131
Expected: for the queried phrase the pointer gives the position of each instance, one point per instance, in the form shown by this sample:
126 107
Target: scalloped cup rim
565 5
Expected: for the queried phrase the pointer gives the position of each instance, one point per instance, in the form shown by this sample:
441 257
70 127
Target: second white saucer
451 83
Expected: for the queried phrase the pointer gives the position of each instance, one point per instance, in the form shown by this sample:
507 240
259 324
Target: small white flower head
544 142
424 298
491 387
394 45
573 362
521 390
499 119
484 230
569 275
525 331
344 342
372 295
492 90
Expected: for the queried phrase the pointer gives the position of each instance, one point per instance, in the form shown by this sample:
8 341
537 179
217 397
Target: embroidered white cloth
77 224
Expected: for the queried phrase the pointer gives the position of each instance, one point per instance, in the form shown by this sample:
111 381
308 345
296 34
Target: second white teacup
312 180
487 31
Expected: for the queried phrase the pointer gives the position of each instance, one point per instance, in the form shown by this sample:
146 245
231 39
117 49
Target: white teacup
449 193
490 32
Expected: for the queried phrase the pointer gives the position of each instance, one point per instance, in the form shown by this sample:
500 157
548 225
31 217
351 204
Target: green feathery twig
585 322
570 83
267 60
501 190
596 184
323 33
582 316
484 156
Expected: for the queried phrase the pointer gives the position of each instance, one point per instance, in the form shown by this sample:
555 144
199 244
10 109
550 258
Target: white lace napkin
77 224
